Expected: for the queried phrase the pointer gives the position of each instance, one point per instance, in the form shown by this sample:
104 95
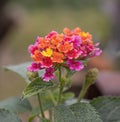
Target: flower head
64 49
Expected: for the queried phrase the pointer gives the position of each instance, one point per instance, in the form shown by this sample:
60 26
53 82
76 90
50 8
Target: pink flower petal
46 62
32 48
48 75
51 34
76 41
34 67
75 65
72 54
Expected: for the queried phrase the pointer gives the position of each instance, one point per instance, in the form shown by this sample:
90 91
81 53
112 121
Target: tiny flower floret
66 49
48 75
75 65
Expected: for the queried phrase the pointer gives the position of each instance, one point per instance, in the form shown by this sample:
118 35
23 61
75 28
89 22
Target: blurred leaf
7 116
21 70
16 105
108 108
71 101
36 86
47 105
80 112
68 96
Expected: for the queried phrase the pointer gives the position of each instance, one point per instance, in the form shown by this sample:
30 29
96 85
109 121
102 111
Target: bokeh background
21 21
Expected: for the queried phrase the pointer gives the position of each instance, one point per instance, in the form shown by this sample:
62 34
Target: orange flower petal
44 43
57 57
37 56
65 47
67 31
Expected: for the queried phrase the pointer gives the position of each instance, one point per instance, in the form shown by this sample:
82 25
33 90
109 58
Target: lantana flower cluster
65 49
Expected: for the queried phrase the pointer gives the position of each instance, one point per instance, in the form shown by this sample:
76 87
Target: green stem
40 106
82 93
61 87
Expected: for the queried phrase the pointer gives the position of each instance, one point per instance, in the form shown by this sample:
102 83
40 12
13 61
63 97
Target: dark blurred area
5 21
21 21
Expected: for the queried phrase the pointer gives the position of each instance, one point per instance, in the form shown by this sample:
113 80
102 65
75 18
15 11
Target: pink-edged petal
75 65
73 54
37 41
34 67
76 41
46 62
32 48
48 75
97 52
51 34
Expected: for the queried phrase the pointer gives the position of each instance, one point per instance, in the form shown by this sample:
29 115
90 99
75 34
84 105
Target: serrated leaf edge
104 97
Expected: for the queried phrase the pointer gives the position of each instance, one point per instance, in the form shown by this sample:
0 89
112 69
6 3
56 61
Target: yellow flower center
48 52
84 34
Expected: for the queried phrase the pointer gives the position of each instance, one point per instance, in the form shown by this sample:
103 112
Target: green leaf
36 86
84 112
79 112
21 70
16 105
108 108
7 116
63 113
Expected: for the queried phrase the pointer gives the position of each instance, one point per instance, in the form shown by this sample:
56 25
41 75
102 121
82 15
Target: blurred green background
21 21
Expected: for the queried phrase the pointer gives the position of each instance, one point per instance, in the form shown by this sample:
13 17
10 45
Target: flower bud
91 76
90 79
32 75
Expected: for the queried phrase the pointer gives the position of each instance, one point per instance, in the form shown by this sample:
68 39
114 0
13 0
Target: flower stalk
61 86
40 106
